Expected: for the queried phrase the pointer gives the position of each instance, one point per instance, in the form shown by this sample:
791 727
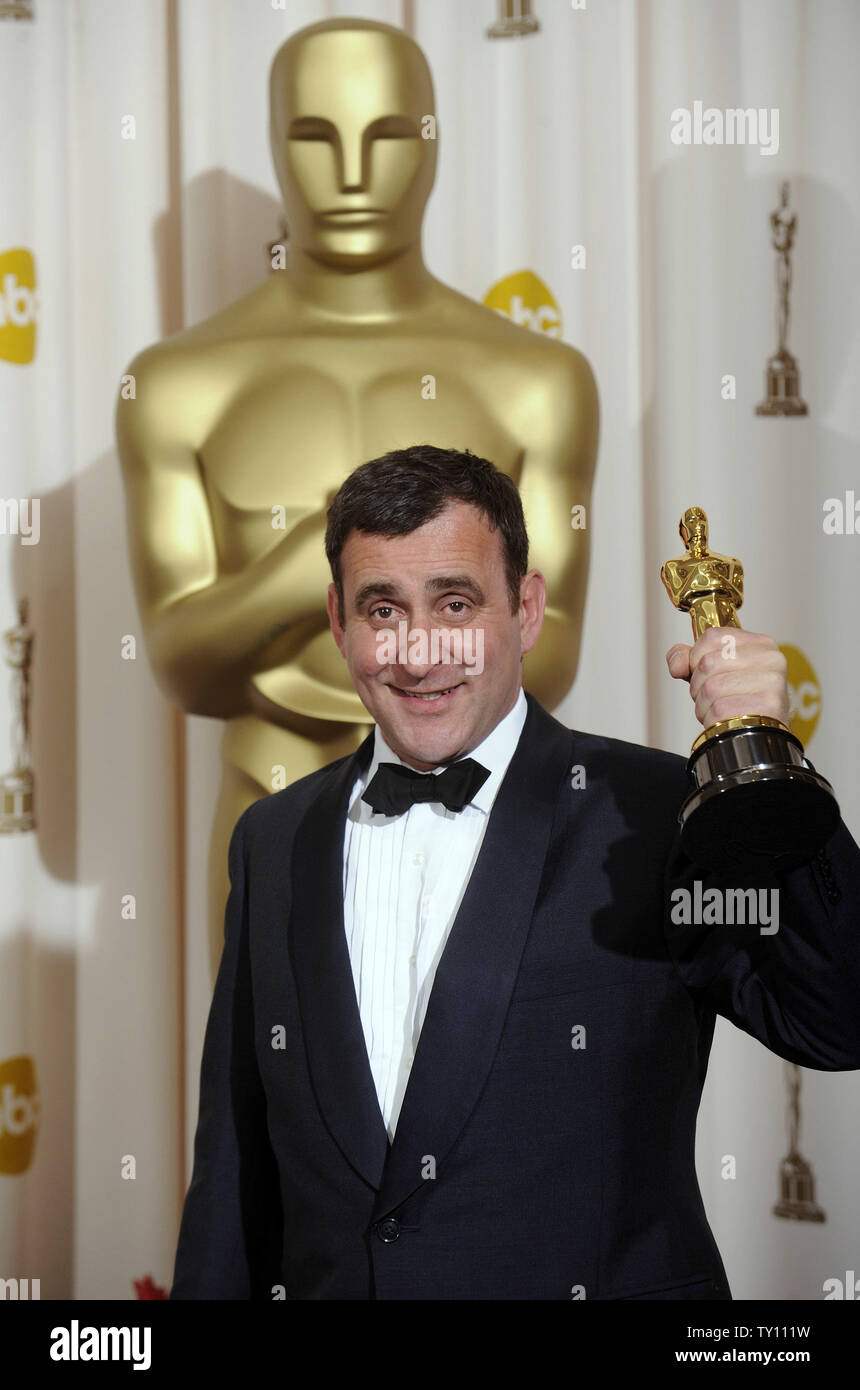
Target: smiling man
458 1041
437 563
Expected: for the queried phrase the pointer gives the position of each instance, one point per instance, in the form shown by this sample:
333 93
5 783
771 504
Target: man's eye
381 612
458 604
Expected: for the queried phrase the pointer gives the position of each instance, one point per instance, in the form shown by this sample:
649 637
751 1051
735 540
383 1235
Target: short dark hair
396 493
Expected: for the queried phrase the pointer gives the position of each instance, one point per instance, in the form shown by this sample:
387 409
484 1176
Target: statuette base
756 802
782 387
16 803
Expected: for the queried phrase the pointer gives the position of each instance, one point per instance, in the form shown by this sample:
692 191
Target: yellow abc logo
19 1113
804 693
19 306
524 298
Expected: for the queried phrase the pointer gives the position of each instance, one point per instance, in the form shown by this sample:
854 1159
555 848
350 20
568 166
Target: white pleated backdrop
546 142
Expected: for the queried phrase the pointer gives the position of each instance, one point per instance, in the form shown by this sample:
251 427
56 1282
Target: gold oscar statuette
16 786
756 801
796 1178
782 374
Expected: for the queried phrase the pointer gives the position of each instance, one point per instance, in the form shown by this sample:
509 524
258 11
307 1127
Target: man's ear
532 608
334 618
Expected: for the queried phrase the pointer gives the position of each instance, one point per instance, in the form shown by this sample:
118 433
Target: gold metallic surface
710 587
250 421
782 374
739 721
17 786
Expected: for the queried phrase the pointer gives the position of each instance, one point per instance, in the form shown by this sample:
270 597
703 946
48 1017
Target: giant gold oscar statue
272 401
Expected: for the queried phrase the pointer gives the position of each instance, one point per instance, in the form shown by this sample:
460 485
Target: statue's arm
205 629
557 474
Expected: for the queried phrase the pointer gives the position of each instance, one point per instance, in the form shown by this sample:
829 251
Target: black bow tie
395 788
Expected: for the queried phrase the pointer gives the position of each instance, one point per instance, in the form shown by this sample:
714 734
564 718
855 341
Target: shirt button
419 859
388 1230
413 960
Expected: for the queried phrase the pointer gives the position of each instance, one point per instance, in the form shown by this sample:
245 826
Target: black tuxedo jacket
545 1148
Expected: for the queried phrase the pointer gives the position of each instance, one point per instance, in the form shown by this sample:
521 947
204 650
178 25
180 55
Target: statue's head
693 529
347 100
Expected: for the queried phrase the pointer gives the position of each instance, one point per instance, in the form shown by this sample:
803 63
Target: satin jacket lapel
479 965
334 1038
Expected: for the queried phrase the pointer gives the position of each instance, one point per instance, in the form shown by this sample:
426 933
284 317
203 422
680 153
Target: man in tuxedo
457 1041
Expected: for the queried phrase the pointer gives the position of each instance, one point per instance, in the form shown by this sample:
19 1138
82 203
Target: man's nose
418 657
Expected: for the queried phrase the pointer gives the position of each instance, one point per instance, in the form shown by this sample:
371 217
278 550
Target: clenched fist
732 672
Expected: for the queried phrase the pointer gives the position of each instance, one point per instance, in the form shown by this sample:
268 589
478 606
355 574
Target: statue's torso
294 417
279 407
281 410
717 574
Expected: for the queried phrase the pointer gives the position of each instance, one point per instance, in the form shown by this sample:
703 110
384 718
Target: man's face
446 576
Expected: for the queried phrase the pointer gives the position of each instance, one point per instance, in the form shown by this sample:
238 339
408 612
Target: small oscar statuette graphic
756 801
16 787
796 1179
782 375
514 18
16 9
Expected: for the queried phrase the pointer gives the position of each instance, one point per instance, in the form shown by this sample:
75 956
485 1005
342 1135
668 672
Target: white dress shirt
403 881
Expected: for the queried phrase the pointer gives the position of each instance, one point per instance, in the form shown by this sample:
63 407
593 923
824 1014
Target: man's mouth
426 696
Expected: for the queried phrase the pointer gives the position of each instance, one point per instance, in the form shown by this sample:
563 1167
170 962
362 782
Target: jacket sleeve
796 989
230 1234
